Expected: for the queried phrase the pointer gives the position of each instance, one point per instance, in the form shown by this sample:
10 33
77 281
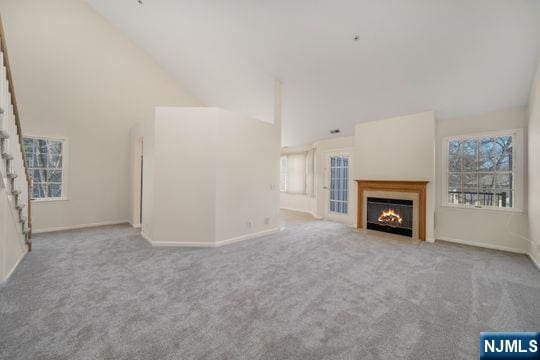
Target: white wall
491 228
77 76
12 246
400 148
184 185
534 169
215 177
247 181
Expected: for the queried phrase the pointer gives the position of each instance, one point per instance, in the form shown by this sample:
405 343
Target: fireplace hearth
394 216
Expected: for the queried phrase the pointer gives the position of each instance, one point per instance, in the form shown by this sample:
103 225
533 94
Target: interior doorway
138 183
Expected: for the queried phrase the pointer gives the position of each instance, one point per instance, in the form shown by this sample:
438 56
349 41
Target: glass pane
54 176
28 145
453 197
485 156
40 154
30 159
470 183
504 197
38 190
55 161
55 147
454 182
55 190
486 182
454 147
39 175
454 163
503 153
332 206
470 152
503 181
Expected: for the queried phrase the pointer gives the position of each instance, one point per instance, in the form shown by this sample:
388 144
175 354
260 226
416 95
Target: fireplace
407 199
394 216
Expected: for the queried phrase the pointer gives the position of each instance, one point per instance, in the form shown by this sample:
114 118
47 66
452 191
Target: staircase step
7 156
4 134
16 192
20 206
22 219
12 175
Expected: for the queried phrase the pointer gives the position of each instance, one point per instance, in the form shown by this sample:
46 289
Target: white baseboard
81 226
208 245
482 245
248 236
13 268
136 226
303 211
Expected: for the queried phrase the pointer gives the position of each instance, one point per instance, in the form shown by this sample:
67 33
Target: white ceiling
457 57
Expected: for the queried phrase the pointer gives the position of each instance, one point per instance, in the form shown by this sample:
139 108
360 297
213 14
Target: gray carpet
317 290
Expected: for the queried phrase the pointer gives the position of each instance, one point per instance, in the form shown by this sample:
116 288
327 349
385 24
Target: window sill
48 200
488 209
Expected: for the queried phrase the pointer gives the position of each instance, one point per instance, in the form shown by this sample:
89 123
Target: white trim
317 217
81 226
13 268
248 236
213 244
518 170
136 226
482 245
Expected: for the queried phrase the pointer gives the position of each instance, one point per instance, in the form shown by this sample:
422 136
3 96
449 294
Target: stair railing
14 165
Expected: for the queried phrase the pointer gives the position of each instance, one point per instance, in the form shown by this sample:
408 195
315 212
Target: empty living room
203 179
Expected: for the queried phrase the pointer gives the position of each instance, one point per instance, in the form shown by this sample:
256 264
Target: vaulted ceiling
457 57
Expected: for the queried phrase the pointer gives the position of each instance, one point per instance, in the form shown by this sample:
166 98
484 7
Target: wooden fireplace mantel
418 187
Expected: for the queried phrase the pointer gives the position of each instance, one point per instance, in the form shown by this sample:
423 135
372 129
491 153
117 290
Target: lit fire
390 217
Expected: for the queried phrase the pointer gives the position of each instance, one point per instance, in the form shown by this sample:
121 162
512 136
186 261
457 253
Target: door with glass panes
338 183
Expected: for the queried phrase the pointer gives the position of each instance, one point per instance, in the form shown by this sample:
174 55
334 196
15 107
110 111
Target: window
296 173
482 171
46 163
293 173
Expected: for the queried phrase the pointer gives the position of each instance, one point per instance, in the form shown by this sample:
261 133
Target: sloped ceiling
457 57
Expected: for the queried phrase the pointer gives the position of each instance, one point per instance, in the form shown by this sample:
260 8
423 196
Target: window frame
305 154
517 171
65 152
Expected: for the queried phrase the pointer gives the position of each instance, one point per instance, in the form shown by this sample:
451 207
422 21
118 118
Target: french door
338 180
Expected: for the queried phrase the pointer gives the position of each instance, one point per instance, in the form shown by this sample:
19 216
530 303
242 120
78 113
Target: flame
390 216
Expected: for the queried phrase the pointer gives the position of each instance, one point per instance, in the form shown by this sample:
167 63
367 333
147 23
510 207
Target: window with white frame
46 163
294 173
483 171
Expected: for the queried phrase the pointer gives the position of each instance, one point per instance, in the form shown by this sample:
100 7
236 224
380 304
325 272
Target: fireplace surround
394 216
404 195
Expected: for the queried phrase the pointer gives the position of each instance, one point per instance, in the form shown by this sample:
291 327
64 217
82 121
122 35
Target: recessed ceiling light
356 37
